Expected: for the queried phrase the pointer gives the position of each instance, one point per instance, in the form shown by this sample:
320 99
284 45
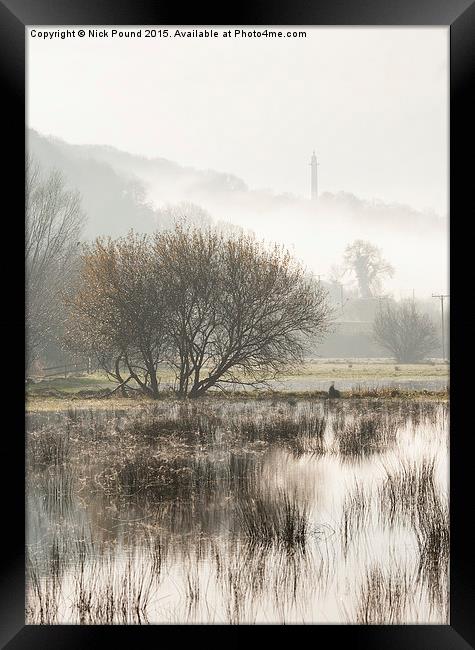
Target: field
312 376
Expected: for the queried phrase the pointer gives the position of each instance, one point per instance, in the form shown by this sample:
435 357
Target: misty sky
373 102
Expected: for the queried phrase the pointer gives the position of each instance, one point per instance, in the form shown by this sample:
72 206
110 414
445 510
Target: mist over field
230 124
121 191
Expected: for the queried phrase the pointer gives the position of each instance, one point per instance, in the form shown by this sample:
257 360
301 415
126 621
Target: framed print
243 397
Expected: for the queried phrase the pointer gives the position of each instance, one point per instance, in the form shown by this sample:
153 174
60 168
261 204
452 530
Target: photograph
237 295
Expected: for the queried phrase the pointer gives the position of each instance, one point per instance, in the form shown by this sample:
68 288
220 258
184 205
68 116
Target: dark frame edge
264 12
377 637
462 34
460 632
12 576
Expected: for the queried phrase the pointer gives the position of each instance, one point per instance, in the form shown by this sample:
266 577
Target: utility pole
441 298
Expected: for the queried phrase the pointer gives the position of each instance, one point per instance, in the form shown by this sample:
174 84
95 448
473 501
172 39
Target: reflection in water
240 512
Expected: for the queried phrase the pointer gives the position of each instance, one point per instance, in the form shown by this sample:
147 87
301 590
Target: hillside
122 191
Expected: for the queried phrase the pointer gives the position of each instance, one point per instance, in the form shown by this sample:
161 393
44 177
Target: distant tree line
209 301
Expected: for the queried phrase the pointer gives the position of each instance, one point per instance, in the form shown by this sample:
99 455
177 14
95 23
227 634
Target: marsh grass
408 490
277 519
151 477
277 428
207 498
356 516
183 419
384 597
251 573
108 591
48 447
365 435
58 492
411 493
433 538
98 587
43 598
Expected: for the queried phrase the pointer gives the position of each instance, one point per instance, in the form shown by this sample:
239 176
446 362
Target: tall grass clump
365 435
300 429
58 491
147 477
279 519
408 490
433 538
384 598
411 493
272 429
48 446
43 593
356 515
311 437
108 591
184 420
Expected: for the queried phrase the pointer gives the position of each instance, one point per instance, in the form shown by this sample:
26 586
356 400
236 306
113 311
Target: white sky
373 102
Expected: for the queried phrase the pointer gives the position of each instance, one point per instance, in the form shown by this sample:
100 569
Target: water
240 512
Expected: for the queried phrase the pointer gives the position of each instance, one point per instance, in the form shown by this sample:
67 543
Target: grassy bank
61 401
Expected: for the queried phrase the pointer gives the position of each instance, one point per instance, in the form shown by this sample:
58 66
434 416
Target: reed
384 597
280 519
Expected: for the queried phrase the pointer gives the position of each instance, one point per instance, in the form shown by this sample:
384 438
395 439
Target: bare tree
54 221
407 333
218 309
117 311
239 311
366 262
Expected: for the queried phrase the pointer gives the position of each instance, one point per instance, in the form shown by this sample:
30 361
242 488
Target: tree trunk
123 390
153 380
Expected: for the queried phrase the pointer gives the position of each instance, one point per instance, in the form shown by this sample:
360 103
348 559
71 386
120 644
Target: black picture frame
460 16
